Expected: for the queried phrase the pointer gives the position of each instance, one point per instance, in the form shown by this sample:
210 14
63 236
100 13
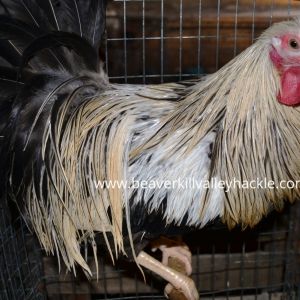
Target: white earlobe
276 42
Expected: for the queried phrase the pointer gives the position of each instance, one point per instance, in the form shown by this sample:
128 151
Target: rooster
65 129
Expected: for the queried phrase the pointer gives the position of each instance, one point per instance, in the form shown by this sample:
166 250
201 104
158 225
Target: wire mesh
20 261
169 40
152 41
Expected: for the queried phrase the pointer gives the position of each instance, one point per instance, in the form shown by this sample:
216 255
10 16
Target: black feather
50 8
27 11
18 32
8 73
63 39
9 53
28 103
9 87
70 17
86 18
20 36
3 6
29 23
93 16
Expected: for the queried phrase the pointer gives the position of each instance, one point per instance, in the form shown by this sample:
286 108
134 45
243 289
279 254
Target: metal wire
155 57
20 260
162 42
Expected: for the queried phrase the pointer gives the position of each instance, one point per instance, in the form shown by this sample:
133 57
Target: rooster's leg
178 280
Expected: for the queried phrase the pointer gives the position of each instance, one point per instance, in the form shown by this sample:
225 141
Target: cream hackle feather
88 146
255 136
229 125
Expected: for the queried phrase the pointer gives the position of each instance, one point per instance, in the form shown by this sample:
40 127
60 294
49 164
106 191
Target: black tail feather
93 14
85 18
48 25
29 12
82 17
17 32
9 87
9 53
63 39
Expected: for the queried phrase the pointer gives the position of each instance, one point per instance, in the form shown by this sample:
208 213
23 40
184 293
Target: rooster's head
285 55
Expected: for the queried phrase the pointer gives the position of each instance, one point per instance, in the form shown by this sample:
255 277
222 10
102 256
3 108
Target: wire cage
153 41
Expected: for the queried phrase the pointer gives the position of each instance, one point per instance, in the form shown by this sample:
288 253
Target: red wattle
290 87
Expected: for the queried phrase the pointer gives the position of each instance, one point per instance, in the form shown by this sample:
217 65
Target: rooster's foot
181 253
174 249
176 279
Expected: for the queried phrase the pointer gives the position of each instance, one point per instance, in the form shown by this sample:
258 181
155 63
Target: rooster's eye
294 44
